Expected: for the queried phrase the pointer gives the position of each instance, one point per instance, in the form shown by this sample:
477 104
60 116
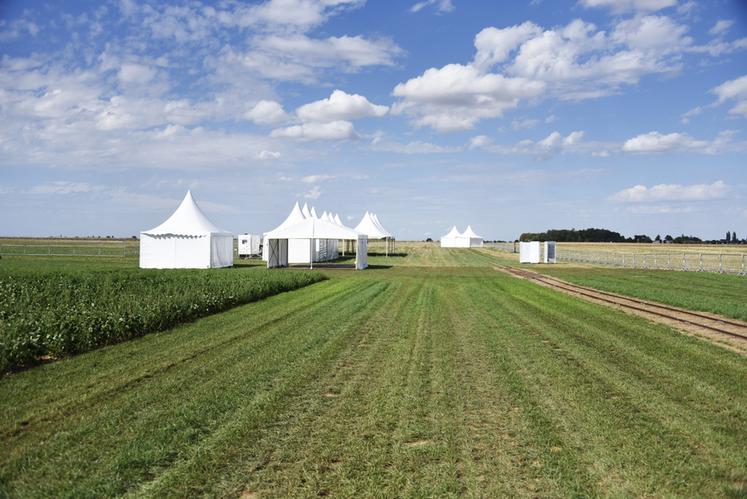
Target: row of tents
466 239
187 239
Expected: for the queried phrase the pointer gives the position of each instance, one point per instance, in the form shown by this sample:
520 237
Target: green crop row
57 314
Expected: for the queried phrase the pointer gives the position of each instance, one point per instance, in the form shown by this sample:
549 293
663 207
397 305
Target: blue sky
511 117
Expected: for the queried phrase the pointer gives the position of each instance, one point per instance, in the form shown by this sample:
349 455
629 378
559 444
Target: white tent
309 231
471 240
186 240
337 220
452 239
371 227
297 251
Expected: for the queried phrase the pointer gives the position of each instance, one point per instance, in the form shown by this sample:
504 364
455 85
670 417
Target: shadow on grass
391 255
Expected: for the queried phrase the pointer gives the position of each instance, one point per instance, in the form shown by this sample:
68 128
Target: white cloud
657 34
721 27
685 118
62 187
313 193
655 142
628 5
340 106
265 155
672 192
442 6
301 58
733 90
266 112
335 130
455 97
495 45
414 147
554 143
315 179
135 73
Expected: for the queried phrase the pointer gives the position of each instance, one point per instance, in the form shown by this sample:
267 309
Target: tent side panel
361 254
221 250
298 251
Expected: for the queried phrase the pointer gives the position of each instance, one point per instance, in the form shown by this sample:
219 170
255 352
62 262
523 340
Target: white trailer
249 245
550 255
529 252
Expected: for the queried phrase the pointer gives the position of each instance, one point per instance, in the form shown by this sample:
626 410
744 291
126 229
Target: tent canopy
313 228
369 227
452 233
468 232
187 220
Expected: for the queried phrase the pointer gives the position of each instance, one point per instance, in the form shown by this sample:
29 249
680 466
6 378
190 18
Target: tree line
593 235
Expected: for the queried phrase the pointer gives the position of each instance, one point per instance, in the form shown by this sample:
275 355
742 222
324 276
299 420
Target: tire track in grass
236 441
132 436
608 419
655 394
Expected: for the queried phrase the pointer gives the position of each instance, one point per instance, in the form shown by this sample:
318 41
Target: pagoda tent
390 237
470 239
305 210
186 240
370 228
309 231
452 239
295 216
337 220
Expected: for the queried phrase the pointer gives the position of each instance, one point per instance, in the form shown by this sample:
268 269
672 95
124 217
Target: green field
430 374
707 292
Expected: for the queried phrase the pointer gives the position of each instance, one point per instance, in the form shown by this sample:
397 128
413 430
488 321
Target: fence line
112 250
687 261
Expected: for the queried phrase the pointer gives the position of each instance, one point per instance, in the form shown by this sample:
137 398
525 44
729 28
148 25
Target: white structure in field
308 231
529 252
466 239
249 245
470 239
550 255
186 240
372 228
297 251
451 240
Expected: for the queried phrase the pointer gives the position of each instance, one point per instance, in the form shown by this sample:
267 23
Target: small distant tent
309 231
186 240
371 227
451 239
297 251
470 239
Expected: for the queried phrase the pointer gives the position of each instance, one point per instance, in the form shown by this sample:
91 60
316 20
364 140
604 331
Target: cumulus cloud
456 96
335 130
672 192
62 187
656 142
266 155
525 61
630 5
315 179
555 143
340 106
441 6
313 193
733 90
721 27
266 112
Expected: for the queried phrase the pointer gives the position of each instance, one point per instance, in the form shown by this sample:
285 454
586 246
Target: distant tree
429 240
734 238
657 238
728 237
669 238
641 238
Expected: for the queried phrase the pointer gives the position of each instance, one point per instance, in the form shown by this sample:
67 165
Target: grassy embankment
405 381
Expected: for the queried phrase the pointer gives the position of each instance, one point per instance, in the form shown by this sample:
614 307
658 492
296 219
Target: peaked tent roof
368 227
468 232
337 220
313 228
313 213
187 220
294 217
378 224
305 210
452 233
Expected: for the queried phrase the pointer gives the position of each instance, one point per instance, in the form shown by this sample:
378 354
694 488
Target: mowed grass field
412 380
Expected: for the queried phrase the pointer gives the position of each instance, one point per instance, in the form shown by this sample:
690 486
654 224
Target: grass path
400 382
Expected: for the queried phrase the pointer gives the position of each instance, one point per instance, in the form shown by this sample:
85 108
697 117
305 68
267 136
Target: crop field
650 248
429 374
51 314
